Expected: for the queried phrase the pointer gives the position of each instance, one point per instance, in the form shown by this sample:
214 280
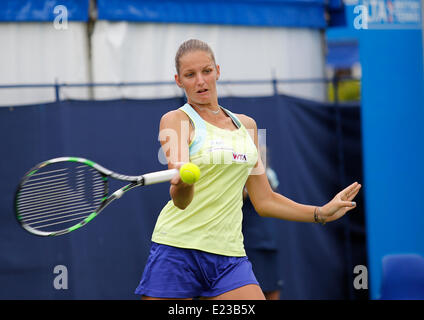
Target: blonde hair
191 46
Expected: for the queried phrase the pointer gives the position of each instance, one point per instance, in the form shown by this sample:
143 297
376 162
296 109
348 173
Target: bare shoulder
173 118
247 121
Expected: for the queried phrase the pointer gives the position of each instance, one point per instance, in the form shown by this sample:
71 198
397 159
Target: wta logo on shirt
239 157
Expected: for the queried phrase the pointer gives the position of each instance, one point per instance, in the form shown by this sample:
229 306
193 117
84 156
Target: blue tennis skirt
172 272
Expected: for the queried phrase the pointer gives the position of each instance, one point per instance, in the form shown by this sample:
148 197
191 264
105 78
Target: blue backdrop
392 94
316 150
271 13
392 62
42 10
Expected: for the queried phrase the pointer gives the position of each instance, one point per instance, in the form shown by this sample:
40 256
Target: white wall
130 52
139 52
38 53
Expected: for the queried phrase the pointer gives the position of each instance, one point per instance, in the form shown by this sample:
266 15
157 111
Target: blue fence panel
105 259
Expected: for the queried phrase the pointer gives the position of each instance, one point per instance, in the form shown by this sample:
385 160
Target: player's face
198 75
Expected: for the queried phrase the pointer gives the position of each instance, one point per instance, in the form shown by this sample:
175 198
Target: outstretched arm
271 204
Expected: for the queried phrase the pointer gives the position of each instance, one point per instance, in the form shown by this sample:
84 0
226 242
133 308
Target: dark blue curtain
342 54
315 149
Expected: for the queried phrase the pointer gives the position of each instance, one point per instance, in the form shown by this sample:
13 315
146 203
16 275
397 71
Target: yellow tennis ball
189 173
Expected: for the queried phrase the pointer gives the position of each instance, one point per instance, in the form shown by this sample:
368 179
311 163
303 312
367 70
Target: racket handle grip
159 176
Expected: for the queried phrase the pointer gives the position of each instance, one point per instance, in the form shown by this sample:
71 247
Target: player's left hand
341 203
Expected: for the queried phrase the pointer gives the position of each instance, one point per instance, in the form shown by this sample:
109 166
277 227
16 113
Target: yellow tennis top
212 222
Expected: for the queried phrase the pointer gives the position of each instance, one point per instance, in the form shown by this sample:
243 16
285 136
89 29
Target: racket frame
135 181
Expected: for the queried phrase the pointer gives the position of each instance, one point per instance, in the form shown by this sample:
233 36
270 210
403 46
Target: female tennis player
197 244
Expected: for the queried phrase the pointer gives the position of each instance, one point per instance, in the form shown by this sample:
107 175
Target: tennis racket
63 194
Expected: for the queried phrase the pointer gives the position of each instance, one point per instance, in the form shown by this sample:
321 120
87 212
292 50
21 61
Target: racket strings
60 197
58 213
